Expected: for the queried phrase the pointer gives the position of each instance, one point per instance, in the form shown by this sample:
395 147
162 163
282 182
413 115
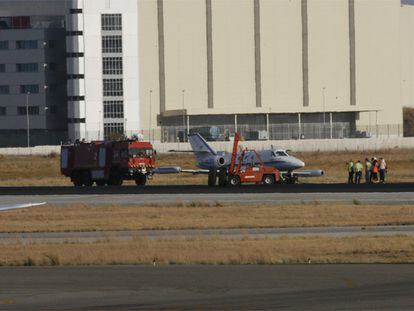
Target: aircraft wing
18 206
177 170
308 173
187 151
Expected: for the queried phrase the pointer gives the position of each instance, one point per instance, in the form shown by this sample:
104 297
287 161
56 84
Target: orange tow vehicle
107 162
254 172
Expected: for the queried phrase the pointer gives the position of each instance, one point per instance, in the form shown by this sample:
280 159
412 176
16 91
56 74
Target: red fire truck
107 162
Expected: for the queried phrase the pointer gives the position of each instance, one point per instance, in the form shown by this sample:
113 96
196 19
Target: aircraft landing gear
222 178
289 178
213 175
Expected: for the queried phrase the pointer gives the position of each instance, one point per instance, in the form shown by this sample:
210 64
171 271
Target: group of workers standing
375 171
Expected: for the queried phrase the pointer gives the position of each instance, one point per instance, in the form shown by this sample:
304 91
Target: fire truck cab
107 162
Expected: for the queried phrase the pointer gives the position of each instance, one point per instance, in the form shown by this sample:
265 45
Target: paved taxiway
240 198
280 194
287 287
91 236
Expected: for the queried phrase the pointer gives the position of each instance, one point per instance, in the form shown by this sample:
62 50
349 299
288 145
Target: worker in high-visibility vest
350 172
358 172
368 166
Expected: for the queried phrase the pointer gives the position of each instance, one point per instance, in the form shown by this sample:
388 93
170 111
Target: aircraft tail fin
200 147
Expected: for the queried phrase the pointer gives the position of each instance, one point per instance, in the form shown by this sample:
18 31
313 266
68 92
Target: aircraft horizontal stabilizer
195 172
167 170
309 173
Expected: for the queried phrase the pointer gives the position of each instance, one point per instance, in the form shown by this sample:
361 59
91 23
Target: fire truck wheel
76 179
268 180
115 179
87 179
140 180
234 180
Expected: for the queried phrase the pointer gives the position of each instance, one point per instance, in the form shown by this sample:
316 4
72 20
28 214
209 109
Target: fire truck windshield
140 152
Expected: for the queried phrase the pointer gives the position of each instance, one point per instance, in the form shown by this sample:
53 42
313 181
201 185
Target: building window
26 44
75 76
111 22
50 67
29 88
2 111
76 98
51 44
27 67
33 110
113 87
2 67
4 89
4 45
113 128
75 54
112 44
51 88
76 120
75 11
74 33
112 65
53 109
113 109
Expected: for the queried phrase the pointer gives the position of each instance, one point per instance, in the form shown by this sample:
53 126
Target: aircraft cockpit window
281 154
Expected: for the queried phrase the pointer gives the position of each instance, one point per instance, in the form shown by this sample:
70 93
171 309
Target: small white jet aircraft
216 164
18 206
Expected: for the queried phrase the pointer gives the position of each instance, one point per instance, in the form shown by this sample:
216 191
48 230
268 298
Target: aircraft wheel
212 178
140 180
234 180
100 183
268 180
222 179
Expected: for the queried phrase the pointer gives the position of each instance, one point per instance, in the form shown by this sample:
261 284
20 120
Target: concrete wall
378 79
407 52
294 145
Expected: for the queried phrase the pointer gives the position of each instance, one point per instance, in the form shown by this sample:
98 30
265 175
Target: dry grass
37 170
199 216
397 249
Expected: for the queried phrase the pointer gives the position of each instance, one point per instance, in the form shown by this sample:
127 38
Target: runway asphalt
285 287
91 236
203 189
391 198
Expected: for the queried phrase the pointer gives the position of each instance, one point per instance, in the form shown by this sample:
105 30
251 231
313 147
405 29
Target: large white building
103 68
290 68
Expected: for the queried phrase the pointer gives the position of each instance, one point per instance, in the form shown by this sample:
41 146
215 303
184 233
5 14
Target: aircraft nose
300 163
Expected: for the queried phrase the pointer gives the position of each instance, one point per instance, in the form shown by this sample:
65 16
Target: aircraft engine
220 161
215 162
